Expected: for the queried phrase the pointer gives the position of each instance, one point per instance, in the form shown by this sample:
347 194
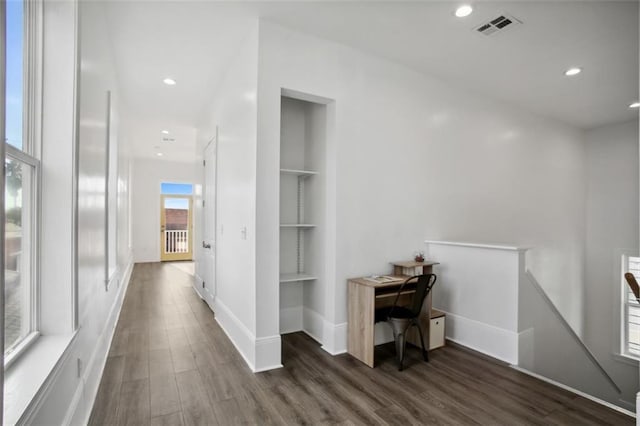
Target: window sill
626 359
26 379
20 349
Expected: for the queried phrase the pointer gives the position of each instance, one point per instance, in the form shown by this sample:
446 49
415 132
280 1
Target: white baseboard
576 391
75 415
268 353
526 348
90 382
260 354
334 338
241 337
493 341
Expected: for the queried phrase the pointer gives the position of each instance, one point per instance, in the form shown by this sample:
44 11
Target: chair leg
400 349
400 327
425 353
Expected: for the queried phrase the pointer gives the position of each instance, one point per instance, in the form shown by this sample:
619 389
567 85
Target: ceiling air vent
498 25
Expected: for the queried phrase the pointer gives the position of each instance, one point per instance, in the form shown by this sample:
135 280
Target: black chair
402 318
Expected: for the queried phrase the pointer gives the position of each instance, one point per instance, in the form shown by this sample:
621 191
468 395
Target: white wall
233 110
69 391
418 158
612 230
477 287
148 174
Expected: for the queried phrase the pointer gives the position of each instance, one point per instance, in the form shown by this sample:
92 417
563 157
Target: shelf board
297 225
290 278
300 173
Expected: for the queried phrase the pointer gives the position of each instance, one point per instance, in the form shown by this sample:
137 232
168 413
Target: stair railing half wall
570 329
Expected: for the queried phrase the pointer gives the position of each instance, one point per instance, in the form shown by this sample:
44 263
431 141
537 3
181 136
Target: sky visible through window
176 189
13 126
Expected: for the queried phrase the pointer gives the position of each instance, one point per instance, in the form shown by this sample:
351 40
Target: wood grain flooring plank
194 333
174 419
113 369
396 416
183 358
177 337
359 408
164 397
288 407
505 379
133 406
160 363
105 408
120 343
230 412
257 406
136 365
139 340
196 407
571 417
221 383
158 338
589 408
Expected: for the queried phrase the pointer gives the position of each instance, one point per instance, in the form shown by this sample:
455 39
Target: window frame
32 62
34 269
625 303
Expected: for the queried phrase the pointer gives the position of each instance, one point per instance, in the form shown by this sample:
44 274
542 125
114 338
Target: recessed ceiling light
159 154
635 105
169 81
573 71
165 132
463 11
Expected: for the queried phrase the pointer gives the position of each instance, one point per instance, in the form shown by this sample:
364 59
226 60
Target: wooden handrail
635 288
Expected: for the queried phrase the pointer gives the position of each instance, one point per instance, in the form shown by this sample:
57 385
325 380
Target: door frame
211 290
167 257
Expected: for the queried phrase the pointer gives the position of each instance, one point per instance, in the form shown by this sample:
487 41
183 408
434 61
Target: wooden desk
364 297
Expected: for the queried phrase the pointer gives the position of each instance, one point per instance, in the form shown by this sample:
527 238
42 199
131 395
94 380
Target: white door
209 223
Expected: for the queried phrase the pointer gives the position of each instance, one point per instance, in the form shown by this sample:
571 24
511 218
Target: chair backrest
424 284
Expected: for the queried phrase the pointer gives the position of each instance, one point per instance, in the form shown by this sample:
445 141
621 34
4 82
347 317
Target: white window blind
632 311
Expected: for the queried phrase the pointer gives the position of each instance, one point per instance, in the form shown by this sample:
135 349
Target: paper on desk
380 279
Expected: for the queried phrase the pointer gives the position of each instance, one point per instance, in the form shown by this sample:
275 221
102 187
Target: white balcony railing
176 241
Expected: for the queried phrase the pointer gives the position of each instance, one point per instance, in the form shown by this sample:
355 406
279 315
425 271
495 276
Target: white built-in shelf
300 173
296 225
291 278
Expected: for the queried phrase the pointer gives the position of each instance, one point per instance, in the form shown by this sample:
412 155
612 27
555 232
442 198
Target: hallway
170 364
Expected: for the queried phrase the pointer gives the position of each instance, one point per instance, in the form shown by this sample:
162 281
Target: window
631 310
21 189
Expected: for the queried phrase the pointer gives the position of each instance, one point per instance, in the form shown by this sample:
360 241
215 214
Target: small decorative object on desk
419 256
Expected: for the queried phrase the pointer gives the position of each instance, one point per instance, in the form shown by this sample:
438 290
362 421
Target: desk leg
360 342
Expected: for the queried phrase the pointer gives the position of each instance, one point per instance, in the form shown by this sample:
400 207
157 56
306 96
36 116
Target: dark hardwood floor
171 364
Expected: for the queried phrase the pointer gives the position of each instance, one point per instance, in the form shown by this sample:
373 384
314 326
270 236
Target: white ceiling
192 42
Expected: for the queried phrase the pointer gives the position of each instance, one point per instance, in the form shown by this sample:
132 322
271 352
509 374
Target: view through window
20 191
176 221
